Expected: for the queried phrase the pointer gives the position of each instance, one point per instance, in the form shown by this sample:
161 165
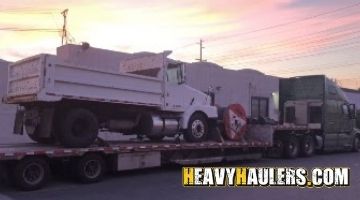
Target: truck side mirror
352 111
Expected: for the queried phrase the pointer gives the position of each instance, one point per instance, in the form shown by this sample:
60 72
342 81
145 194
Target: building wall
353 97
239 86
233 86
95 58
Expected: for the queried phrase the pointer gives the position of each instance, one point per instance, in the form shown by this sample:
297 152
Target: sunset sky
279 37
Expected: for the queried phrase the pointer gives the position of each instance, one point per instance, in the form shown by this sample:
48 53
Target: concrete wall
233 86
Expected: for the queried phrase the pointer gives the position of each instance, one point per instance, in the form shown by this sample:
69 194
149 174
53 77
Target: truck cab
316 104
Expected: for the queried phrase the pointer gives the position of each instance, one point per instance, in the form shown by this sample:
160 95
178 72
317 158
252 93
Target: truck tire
307 146
291 147
90 168
197 130
356 144
31 173
79 128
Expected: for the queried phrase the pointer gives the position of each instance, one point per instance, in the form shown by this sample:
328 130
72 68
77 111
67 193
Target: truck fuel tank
156 125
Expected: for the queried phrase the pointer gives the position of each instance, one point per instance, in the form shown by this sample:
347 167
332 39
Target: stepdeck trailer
315 115
29 165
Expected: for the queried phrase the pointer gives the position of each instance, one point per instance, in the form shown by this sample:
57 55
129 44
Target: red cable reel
235 122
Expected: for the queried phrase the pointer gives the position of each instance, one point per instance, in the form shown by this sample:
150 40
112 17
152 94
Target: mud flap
19 122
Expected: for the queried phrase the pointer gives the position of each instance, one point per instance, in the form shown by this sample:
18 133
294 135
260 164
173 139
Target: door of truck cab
174 95
338 125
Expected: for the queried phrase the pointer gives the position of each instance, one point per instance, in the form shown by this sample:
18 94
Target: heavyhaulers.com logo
265 176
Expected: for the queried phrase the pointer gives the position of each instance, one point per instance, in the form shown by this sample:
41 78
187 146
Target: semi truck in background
314 115
69 104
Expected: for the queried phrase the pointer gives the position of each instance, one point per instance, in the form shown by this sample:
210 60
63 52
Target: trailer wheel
307 146
31 173
356 145
79 128
197 130
291 147
90 168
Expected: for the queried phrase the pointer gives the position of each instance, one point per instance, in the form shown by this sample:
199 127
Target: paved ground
165 183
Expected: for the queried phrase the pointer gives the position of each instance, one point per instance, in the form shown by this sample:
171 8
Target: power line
185 46
306 36
30 29
288 23
296 56
317 24
308 43
357 64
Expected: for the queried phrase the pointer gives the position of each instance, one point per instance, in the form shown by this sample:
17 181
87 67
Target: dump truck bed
47 78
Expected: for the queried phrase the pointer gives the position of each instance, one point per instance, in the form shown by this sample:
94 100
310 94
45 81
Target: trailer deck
19 151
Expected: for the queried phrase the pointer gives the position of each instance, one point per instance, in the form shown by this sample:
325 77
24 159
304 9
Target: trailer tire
356 144
90 168
197 130
31 173
291 147
79 128
307 146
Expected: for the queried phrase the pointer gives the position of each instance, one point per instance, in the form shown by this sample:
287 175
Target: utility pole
64 37
201 51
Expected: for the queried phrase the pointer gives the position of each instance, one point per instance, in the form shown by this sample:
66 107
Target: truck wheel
79 128
197 130
356 145
291 147
90 168
307 146
31 173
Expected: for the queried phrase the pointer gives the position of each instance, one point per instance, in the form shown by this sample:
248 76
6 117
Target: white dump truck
68 103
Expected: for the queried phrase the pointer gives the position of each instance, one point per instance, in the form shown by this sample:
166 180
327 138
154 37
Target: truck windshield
173 73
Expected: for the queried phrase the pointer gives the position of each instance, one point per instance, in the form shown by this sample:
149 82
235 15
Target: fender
209 111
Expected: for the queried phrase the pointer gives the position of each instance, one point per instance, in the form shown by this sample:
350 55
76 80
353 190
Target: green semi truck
314 115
